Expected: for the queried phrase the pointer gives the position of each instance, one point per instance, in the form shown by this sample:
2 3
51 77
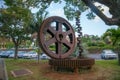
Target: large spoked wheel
56 37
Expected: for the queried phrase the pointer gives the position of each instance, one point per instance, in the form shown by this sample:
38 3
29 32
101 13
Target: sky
91 27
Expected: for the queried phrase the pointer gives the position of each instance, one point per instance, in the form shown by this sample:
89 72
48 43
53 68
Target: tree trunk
39 52
39 49
119 57
118 52
16 51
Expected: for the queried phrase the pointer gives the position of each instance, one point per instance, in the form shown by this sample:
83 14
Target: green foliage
90 15
52 47
99 44
72 6
113 35
15 20
30 3
92 44
9 45
37 20
14 23
110 65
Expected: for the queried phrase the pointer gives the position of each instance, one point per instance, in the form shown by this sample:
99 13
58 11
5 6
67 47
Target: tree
114 9
35 25
16 16
114 35
82 5
72 6
15 20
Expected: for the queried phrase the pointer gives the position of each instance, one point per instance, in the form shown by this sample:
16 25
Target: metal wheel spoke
68 44
51 30
59 48
52 40
67 32
59 26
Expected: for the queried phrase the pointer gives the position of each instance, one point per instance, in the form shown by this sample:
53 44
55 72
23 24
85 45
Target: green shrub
94 49
9 45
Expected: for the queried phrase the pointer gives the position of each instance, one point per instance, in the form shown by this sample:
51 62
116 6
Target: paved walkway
3 73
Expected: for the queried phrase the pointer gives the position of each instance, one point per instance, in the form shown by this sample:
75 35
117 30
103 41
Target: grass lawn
102 70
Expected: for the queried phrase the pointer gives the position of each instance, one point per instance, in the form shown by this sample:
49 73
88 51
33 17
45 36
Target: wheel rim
56 33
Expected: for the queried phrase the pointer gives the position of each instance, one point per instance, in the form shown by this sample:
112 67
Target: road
95 56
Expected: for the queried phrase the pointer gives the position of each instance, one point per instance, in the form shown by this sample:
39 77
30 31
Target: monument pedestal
71 64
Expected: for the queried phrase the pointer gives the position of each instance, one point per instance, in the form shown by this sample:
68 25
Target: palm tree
37 21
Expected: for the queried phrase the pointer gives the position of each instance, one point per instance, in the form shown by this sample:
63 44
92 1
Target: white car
44 56
108 54
30 54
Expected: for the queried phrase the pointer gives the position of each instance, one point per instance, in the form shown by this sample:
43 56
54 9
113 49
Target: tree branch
108 21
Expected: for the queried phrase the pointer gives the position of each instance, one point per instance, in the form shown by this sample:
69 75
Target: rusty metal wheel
56 37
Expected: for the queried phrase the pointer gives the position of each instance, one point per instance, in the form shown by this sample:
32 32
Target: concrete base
3 72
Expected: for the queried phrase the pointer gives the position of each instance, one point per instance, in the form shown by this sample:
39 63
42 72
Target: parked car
11 55
108 54
20 54
1 53
44 56
30 54
5 54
